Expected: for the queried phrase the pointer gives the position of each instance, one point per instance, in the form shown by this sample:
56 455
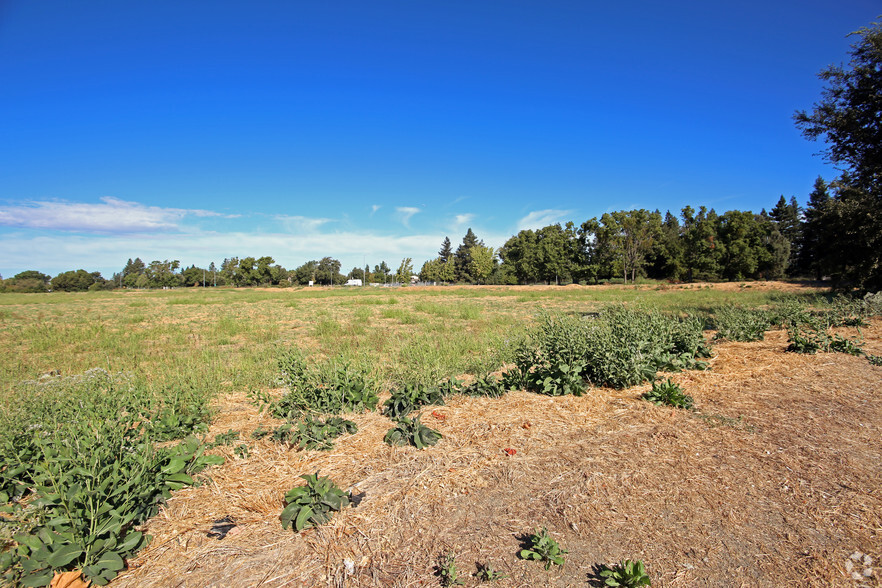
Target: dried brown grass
774 481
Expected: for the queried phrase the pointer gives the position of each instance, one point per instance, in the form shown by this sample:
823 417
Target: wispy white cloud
375 208
111 215
53 254
460 221
302 224
542 218
405 213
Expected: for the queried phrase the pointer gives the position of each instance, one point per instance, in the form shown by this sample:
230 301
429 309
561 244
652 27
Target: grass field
773 480
226 338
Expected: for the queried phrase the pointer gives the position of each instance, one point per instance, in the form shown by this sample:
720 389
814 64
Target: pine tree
787 220
446 250
463 257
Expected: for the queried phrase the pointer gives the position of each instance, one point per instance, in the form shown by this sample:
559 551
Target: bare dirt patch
775 481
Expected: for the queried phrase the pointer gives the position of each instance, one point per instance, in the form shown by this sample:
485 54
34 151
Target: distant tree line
625 246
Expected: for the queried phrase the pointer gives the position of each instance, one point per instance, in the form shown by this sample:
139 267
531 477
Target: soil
774 480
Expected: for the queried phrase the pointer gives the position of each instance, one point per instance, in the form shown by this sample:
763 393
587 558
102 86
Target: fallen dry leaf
72 579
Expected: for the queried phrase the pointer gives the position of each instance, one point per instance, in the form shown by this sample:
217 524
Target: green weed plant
313 503
627 574
543 547
410 431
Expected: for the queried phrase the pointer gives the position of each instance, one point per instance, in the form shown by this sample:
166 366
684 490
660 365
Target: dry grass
774 481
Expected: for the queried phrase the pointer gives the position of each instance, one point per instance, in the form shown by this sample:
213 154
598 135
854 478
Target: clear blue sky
367 131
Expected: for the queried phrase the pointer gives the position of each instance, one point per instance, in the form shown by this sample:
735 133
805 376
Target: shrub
313 503
814 337
487 386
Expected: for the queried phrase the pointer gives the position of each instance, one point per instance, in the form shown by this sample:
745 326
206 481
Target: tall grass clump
79 470
329 387
618 347
735 323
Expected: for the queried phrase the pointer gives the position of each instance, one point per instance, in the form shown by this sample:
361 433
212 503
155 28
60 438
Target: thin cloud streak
108 254
406 213
542 218
111 216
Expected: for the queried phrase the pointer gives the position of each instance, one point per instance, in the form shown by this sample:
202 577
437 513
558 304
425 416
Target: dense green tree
848 119
788 220
304 274
625 238
743 240
701 251
327 272
228 270
405 271
816 238
382 271
482 262
463 258
76 281
193 276
520 256
162 274
131 271
665 256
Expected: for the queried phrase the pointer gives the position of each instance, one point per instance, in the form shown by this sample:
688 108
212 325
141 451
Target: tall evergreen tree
446 250
847 118
463 257
815 240
787 219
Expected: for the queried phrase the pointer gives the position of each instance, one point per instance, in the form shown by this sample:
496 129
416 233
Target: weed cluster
735 323
310 433
619 347
668 393
331 387
81 470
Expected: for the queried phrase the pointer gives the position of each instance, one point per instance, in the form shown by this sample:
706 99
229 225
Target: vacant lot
774 479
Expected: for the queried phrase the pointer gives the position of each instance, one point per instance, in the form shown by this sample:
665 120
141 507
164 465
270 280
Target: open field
774 480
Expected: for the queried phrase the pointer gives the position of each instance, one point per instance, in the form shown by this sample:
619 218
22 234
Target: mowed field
775 479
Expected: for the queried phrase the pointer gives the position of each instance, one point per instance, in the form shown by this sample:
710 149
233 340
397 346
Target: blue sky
369 131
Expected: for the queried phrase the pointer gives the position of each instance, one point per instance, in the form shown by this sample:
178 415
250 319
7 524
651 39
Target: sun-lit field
772 478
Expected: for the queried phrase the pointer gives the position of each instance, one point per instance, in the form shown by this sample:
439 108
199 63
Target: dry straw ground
775 481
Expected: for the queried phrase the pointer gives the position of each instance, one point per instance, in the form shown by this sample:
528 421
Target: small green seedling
544 548
627 574
486 573
447 571
669 394
312 504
